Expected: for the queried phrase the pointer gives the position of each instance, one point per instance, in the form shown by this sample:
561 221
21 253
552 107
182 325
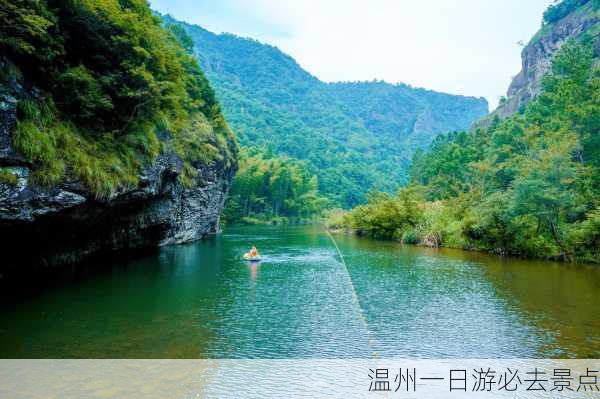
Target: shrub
560 10
8 177
411 236
584 237
337 219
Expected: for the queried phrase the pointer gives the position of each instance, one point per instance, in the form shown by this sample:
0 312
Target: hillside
356 136
566 20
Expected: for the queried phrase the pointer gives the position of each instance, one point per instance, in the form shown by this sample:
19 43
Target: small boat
252 258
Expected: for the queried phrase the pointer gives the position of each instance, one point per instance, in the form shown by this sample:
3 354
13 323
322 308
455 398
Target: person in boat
253 252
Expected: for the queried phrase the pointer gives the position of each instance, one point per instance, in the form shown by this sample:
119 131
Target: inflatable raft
252 258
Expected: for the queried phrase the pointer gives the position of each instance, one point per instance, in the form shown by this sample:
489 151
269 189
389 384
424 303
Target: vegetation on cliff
528 185
7 176
103 81
561 9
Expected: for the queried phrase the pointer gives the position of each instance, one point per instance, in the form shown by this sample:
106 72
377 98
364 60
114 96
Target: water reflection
562 299
254 268
449 303
201 300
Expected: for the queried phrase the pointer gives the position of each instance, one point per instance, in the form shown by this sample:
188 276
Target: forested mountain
355 136
528 184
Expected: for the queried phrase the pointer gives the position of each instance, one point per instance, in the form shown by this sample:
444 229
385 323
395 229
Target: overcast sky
467 47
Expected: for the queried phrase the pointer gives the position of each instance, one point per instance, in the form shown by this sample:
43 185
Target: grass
103 164
8 177
106 163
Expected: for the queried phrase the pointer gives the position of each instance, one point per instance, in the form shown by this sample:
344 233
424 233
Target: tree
527 185
268 187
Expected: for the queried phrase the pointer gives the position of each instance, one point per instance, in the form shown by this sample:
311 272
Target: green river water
201 301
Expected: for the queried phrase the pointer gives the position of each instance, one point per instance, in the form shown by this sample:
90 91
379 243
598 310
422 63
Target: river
304 300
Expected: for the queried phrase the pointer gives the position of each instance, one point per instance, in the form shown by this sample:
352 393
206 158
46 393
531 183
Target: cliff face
538 53
67 223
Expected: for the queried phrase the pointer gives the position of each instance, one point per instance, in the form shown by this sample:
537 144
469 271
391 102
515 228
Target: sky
468 47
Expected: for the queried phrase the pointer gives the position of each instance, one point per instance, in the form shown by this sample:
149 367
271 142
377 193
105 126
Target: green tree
527 185
269 187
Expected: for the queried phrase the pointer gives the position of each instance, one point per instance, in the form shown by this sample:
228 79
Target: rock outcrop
44 227
537 58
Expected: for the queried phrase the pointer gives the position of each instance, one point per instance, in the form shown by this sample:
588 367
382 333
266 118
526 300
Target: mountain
356 136
527 181
563 21
110 135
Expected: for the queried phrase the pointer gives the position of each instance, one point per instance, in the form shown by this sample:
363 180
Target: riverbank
435 242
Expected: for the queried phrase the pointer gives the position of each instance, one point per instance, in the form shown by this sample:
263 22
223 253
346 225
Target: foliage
355 136
8 177
27 29
268 187
585 237
112 80
561 9
184 39
528 185
386 216
336 218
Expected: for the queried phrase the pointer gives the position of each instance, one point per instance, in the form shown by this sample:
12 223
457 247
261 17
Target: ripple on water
202 300
303 309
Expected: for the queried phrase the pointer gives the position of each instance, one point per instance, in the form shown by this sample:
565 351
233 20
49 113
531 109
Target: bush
440 226
337 219
558 11
584 237
8 177
81 96
411 236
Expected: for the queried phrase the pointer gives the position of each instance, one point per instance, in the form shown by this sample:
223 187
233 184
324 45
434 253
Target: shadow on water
196 300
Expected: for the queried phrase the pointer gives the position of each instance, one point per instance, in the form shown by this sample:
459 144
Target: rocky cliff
538 53
66 223
111 138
